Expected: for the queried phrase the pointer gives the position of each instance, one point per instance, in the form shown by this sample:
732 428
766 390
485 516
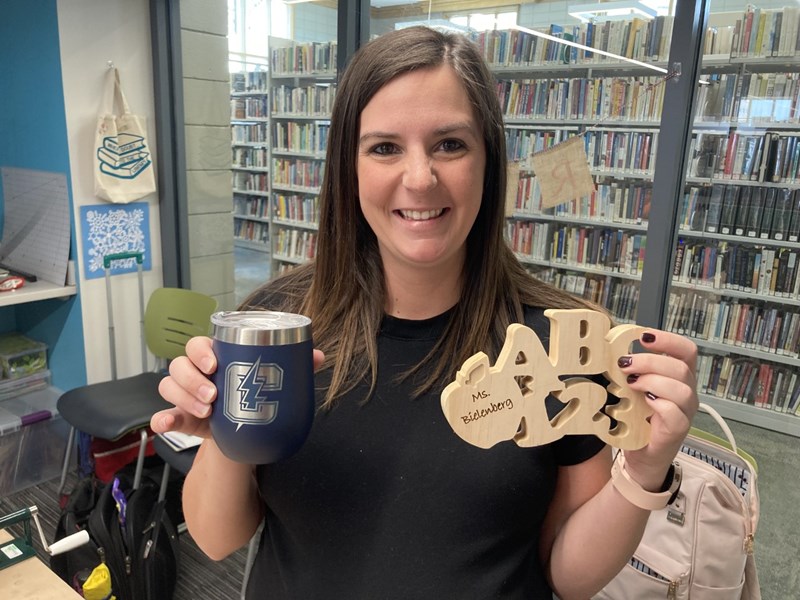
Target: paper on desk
180 441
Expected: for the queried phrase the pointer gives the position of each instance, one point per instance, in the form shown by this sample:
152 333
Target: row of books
309 101
756 212
769 156
297 172
615 251
296 207
248 133
244 157
251 206
744 325
611 201
249 81
597 99
613 150
249 107
522 143
300 137
758 384
256 182
619 296
304 58
295 244
751 98
768 272
251 231
633 38
764 32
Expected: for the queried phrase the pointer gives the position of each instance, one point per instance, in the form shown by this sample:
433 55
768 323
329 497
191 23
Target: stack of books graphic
124 155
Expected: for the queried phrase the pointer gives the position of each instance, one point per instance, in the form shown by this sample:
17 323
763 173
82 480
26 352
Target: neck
412 294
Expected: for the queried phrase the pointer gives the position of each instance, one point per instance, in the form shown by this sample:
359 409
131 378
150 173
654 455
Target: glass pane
282 89
735 281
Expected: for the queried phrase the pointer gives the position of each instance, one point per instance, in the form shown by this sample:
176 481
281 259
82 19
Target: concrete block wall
206 91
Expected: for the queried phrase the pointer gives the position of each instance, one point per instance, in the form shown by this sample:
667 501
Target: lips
421 215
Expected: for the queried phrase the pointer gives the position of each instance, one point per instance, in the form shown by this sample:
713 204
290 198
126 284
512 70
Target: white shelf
571 220
262 193
251 218
251 245
698 287
38 290
749 414
575 267
297 224
753 353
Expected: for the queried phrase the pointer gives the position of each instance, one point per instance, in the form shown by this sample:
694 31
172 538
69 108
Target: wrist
633 492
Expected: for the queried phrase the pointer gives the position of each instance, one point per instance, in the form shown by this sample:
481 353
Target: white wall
93 32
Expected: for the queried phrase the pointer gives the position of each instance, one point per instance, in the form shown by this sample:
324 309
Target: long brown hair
343 289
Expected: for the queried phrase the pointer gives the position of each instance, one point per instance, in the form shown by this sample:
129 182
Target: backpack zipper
672 590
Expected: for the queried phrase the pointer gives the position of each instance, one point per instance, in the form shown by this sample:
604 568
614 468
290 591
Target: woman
412 277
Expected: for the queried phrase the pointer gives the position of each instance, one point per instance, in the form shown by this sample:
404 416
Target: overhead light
606 11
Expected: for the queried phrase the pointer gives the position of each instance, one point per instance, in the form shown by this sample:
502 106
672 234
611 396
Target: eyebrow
443 130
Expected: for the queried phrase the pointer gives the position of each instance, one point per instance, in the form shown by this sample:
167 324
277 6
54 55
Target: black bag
75 566
142 556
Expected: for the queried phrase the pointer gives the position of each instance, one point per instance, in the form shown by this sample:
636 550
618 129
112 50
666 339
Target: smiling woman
413 276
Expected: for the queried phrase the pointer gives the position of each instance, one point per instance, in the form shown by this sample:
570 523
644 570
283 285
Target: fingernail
202 410
648 338
207 365
206 392
632 378
624 361
650 395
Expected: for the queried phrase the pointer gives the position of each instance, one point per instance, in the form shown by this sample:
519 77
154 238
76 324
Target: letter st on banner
563 172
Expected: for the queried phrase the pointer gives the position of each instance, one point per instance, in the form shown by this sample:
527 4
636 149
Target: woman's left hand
666 374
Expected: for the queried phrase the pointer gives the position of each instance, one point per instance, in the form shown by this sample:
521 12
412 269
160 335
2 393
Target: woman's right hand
187 387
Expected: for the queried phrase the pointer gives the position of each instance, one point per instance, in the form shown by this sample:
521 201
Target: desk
31 579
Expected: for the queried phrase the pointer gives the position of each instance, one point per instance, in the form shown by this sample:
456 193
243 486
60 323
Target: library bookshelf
250 158
302 88
735 282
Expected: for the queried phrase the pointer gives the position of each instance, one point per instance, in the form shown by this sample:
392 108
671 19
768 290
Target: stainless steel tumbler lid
260 328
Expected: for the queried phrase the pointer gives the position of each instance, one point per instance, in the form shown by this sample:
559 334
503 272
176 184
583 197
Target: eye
383 149
452 145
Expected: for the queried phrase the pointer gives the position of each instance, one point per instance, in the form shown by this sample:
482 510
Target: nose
419 175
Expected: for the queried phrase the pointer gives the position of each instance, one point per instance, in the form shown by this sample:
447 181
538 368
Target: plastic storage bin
32 440
21 356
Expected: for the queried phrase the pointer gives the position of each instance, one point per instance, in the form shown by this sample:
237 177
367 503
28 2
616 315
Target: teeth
421 215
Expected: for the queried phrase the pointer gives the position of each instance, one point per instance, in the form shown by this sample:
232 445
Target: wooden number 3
487 404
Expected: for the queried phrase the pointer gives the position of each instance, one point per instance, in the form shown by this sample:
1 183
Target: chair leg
137 477
162 490
65 463
251 555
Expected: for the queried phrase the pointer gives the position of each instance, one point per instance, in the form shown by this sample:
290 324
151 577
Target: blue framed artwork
113 229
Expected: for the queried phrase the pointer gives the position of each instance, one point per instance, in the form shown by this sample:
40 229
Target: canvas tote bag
123 168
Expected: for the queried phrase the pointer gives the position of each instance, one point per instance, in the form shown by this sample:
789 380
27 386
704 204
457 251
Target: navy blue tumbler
265 384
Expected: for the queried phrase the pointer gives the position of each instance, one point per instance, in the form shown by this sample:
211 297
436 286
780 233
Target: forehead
420 93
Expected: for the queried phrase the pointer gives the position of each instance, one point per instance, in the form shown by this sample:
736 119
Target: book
730 202
123 143
768 213
754 214
782 214
714 212
743 211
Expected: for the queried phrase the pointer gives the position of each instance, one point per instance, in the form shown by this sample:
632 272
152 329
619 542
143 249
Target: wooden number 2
487 404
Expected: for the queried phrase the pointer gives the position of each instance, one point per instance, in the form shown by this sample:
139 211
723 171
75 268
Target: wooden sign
563 172
487 404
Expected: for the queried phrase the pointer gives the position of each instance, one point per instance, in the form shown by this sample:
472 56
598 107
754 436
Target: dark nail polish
648 338
633 378
650 395
624 361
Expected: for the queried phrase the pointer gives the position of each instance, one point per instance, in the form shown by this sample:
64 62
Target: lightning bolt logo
246 390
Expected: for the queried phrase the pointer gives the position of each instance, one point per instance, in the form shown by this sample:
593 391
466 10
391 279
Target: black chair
112 409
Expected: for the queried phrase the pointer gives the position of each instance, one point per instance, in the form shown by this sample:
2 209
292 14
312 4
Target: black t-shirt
385 501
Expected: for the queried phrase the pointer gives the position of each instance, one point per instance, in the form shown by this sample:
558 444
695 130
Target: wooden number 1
487 404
